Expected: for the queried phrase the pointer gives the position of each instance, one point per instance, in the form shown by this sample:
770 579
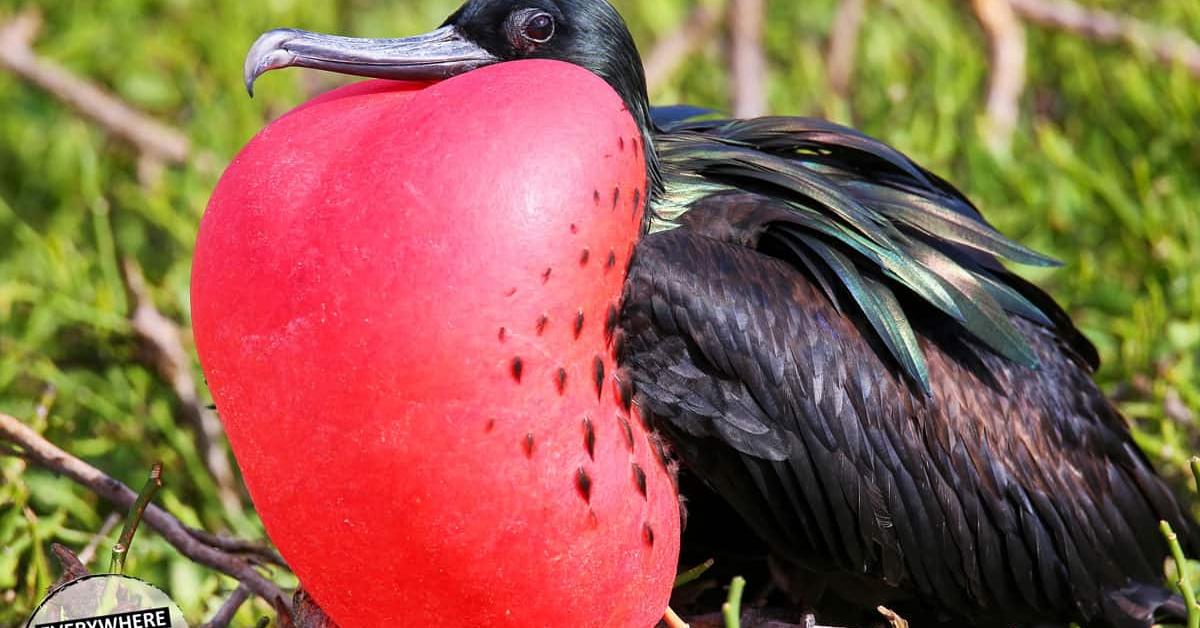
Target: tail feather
1142 606
1171 611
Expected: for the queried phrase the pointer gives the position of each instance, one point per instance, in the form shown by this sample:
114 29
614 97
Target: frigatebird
825 335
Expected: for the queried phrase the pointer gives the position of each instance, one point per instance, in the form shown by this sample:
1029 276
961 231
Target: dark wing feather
669 116
841 196
1008 494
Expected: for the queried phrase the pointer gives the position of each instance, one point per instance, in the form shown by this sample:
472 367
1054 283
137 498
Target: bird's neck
638 104
631 86
621 67
654 177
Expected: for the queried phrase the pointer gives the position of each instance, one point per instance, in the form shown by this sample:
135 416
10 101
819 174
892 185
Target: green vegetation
1103 173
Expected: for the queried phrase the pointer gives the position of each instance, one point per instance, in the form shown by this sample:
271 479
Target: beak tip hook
268 53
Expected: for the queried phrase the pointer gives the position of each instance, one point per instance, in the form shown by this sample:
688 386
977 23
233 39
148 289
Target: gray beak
430 57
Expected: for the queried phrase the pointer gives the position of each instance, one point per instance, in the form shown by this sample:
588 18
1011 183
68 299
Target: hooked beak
433 56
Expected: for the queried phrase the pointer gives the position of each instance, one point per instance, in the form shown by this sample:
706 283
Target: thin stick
670 51
894 618
89 551
72 567
732 609
224 615
1167 45
694 573
748 63
46 402
673 620
1006 38
46 454
843 45
121 549
149 136
238 546
163 351
1181 570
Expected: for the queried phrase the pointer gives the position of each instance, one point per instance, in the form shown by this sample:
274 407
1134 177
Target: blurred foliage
1103 173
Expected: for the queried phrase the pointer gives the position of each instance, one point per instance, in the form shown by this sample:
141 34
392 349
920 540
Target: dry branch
1006 38
843 45
748 64
89 551
162 350
47 455
72 567
671 50
252 550
152 138
224 615
1167 45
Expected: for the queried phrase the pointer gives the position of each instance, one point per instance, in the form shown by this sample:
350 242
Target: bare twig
1176 409
670 51
72 567
46 454
673 620
843 45
46 402
1167 45
256 550
1006 37
748 64
162 350
224 615
152 138
125 541
89 551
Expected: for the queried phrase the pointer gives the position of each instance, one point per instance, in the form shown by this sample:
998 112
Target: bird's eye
538 28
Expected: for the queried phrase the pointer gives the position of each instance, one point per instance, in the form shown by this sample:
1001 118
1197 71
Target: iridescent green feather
861 218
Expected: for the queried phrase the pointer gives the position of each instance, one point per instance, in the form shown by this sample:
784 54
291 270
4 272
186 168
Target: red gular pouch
403 298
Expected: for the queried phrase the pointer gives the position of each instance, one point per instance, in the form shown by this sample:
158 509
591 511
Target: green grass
1104 174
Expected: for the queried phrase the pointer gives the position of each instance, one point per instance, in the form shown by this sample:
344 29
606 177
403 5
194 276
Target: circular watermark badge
107 601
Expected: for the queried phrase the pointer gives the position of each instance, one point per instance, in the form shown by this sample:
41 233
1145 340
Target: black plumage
1010 495
826 336
824 332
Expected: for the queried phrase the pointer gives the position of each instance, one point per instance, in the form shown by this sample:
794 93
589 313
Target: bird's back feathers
868 223
828 337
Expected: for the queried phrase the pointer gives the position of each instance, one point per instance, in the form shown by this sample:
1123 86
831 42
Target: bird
827 339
